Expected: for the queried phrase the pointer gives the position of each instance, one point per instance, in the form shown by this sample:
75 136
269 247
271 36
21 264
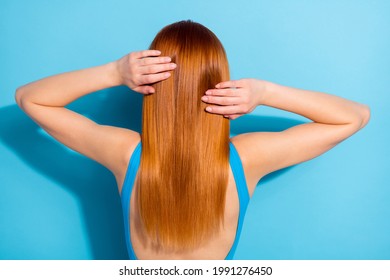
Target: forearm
60 90
317 106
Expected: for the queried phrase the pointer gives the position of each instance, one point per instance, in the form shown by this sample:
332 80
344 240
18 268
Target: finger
223 92
145 89
224 110
229 84
233 117
154 60
218 100
157 68
146 53
154 78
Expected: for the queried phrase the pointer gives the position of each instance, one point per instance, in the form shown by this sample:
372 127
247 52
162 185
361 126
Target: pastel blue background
56 204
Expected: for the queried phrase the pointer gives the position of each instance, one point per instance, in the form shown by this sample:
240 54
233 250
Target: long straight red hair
185 150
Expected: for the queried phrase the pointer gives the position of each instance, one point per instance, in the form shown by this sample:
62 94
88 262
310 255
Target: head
185 150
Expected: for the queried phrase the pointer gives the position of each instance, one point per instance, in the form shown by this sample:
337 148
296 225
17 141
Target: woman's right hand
138 70
233 99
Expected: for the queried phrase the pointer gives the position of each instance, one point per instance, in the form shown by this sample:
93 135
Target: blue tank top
239 178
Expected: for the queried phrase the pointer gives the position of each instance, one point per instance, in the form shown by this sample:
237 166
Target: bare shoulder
265 152
126 141
126 145
252 149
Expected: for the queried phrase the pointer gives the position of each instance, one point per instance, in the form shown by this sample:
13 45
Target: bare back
217 247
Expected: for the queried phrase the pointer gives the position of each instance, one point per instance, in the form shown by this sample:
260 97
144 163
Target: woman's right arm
45 100
334 119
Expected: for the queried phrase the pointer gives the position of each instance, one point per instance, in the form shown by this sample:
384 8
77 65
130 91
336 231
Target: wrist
113 75
263 88
270 90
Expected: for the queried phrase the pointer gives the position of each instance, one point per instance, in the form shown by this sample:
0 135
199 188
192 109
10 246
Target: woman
185 192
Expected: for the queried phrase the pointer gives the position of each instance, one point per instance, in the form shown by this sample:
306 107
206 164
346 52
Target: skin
333 120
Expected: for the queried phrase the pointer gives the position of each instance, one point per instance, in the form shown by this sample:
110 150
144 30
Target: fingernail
217 86
209 109
173 65
205 98
208 92
167 74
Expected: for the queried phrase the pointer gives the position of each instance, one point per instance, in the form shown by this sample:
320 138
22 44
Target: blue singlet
239 177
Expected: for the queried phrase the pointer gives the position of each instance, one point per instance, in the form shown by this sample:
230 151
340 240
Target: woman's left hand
138 70
233 99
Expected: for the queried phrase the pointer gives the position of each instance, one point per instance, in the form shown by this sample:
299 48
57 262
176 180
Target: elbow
360 120
365 116
19 96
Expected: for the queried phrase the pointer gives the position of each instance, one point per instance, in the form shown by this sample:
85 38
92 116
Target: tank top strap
243 194
127 188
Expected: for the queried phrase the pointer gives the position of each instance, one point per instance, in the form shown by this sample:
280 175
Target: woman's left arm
44 101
